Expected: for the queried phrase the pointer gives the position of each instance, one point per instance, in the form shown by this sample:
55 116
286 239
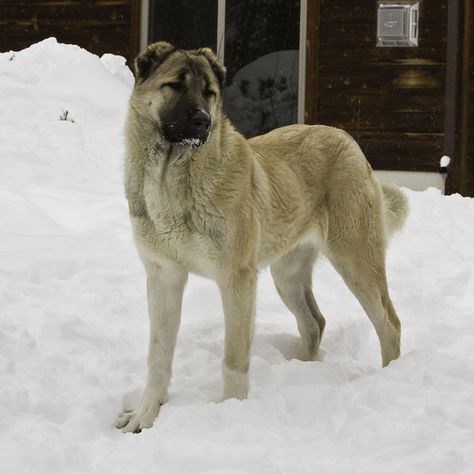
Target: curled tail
395 207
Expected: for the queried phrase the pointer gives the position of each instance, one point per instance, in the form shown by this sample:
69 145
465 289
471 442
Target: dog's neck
178 173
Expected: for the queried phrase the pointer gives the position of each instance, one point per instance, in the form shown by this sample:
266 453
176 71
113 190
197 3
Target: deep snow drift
73 324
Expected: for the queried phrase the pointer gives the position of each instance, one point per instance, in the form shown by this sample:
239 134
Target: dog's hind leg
292 275
364 274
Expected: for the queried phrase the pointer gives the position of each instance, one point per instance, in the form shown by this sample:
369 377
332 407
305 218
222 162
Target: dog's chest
178 229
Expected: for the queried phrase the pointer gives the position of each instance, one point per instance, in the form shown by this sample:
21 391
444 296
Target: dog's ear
217 67
151 58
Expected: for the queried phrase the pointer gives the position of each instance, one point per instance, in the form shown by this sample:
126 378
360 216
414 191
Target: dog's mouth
186 141
193 131
192 142
182 135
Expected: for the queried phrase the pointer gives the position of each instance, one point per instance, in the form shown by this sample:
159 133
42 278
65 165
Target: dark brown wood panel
390 99
357 54
100 26
400 150
312 62
469 178
458 98
389 78
366 101
383 121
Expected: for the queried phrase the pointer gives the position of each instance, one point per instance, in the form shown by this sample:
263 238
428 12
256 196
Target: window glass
187 24
261 56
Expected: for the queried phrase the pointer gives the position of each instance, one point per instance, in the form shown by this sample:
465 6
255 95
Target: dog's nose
200 122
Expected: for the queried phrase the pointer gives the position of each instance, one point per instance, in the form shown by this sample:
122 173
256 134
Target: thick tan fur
232 206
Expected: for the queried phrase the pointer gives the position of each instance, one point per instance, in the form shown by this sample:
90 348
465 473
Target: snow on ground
73 324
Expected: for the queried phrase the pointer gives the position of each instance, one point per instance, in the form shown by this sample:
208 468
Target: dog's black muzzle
191 130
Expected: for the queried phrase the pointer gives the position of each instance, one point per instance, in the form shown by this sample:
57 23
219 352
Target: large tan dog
204 199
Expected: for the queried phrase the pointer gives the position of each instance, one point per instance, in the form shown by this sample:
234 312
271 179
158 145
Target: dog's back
329 178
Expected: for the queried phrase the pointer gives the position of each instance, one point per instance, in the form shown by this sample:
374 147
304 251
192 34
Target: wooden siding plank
401 151
469 166
381 120
368 100
312 62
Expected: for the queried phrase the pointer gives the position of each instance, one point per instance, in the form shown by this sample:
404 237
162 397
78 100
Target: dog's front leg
165 292
238 298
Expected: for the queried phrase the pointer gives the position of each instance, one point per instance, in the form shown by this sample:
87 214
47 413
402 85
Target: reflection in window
188 24
261 56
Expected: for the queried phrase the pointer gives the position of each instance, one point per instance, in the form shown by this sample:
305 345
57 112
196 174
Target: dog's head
180 91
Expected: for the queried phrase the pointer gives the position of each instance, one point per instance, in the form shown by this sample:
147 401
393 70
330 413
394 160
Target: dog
204 199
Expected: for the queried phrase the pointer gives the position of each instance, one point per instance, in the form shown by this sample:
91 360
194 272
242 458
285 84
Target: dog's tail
395 208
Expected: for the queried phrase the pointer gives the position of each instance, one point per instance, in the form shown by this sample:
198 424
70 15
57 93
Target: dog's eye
209 92
177 86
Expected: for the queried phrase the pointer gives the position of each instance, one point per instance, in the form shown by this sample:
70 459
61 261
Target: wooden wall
469 178
100 26
390 99
460 136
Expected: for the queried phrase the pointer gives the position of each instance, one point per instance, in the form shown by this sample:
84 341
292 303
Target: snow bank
73 325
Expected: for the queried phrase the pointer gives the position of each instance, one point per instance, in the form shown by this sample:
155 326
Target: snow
192 142
73 324
444 161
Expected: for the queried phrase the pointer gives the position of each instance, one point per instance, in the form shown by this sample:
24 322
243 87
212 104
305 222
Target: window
187 24
261 53
261 56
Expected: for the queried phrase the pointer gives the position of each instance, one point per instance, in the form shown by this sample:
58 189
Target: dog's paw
142 417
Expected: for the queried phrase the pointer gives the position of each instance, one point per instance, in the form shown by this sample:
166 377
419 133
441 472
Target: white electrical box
397 23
